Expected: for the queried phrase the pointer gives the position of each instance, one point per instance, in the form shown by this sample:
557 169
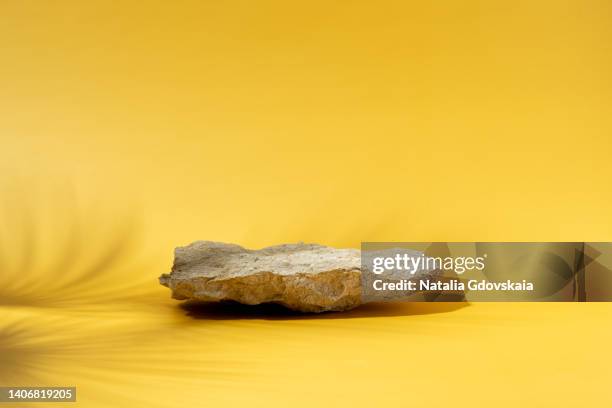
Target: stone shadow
270 311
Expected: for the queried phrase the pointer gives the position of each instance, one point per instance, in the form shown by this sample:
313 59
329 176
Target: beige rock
303 277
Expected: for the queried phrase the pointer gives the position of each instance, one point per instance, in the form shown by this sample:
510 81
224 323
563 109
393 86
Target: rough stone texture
303 277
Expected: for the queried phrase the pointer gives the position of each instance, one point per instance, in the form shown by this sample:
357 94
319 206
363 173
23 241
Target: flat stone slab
302 277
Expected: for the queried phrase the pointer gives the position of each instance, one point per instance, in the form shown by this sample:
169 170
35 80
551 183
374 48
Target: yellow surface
127 128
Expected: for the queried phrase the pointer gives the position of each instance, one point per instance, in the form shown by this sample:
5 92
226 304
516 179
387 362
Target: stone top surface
215 259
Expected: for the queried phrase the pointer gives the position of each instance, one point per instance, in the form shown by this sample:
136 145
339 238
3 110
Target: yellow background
128 128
